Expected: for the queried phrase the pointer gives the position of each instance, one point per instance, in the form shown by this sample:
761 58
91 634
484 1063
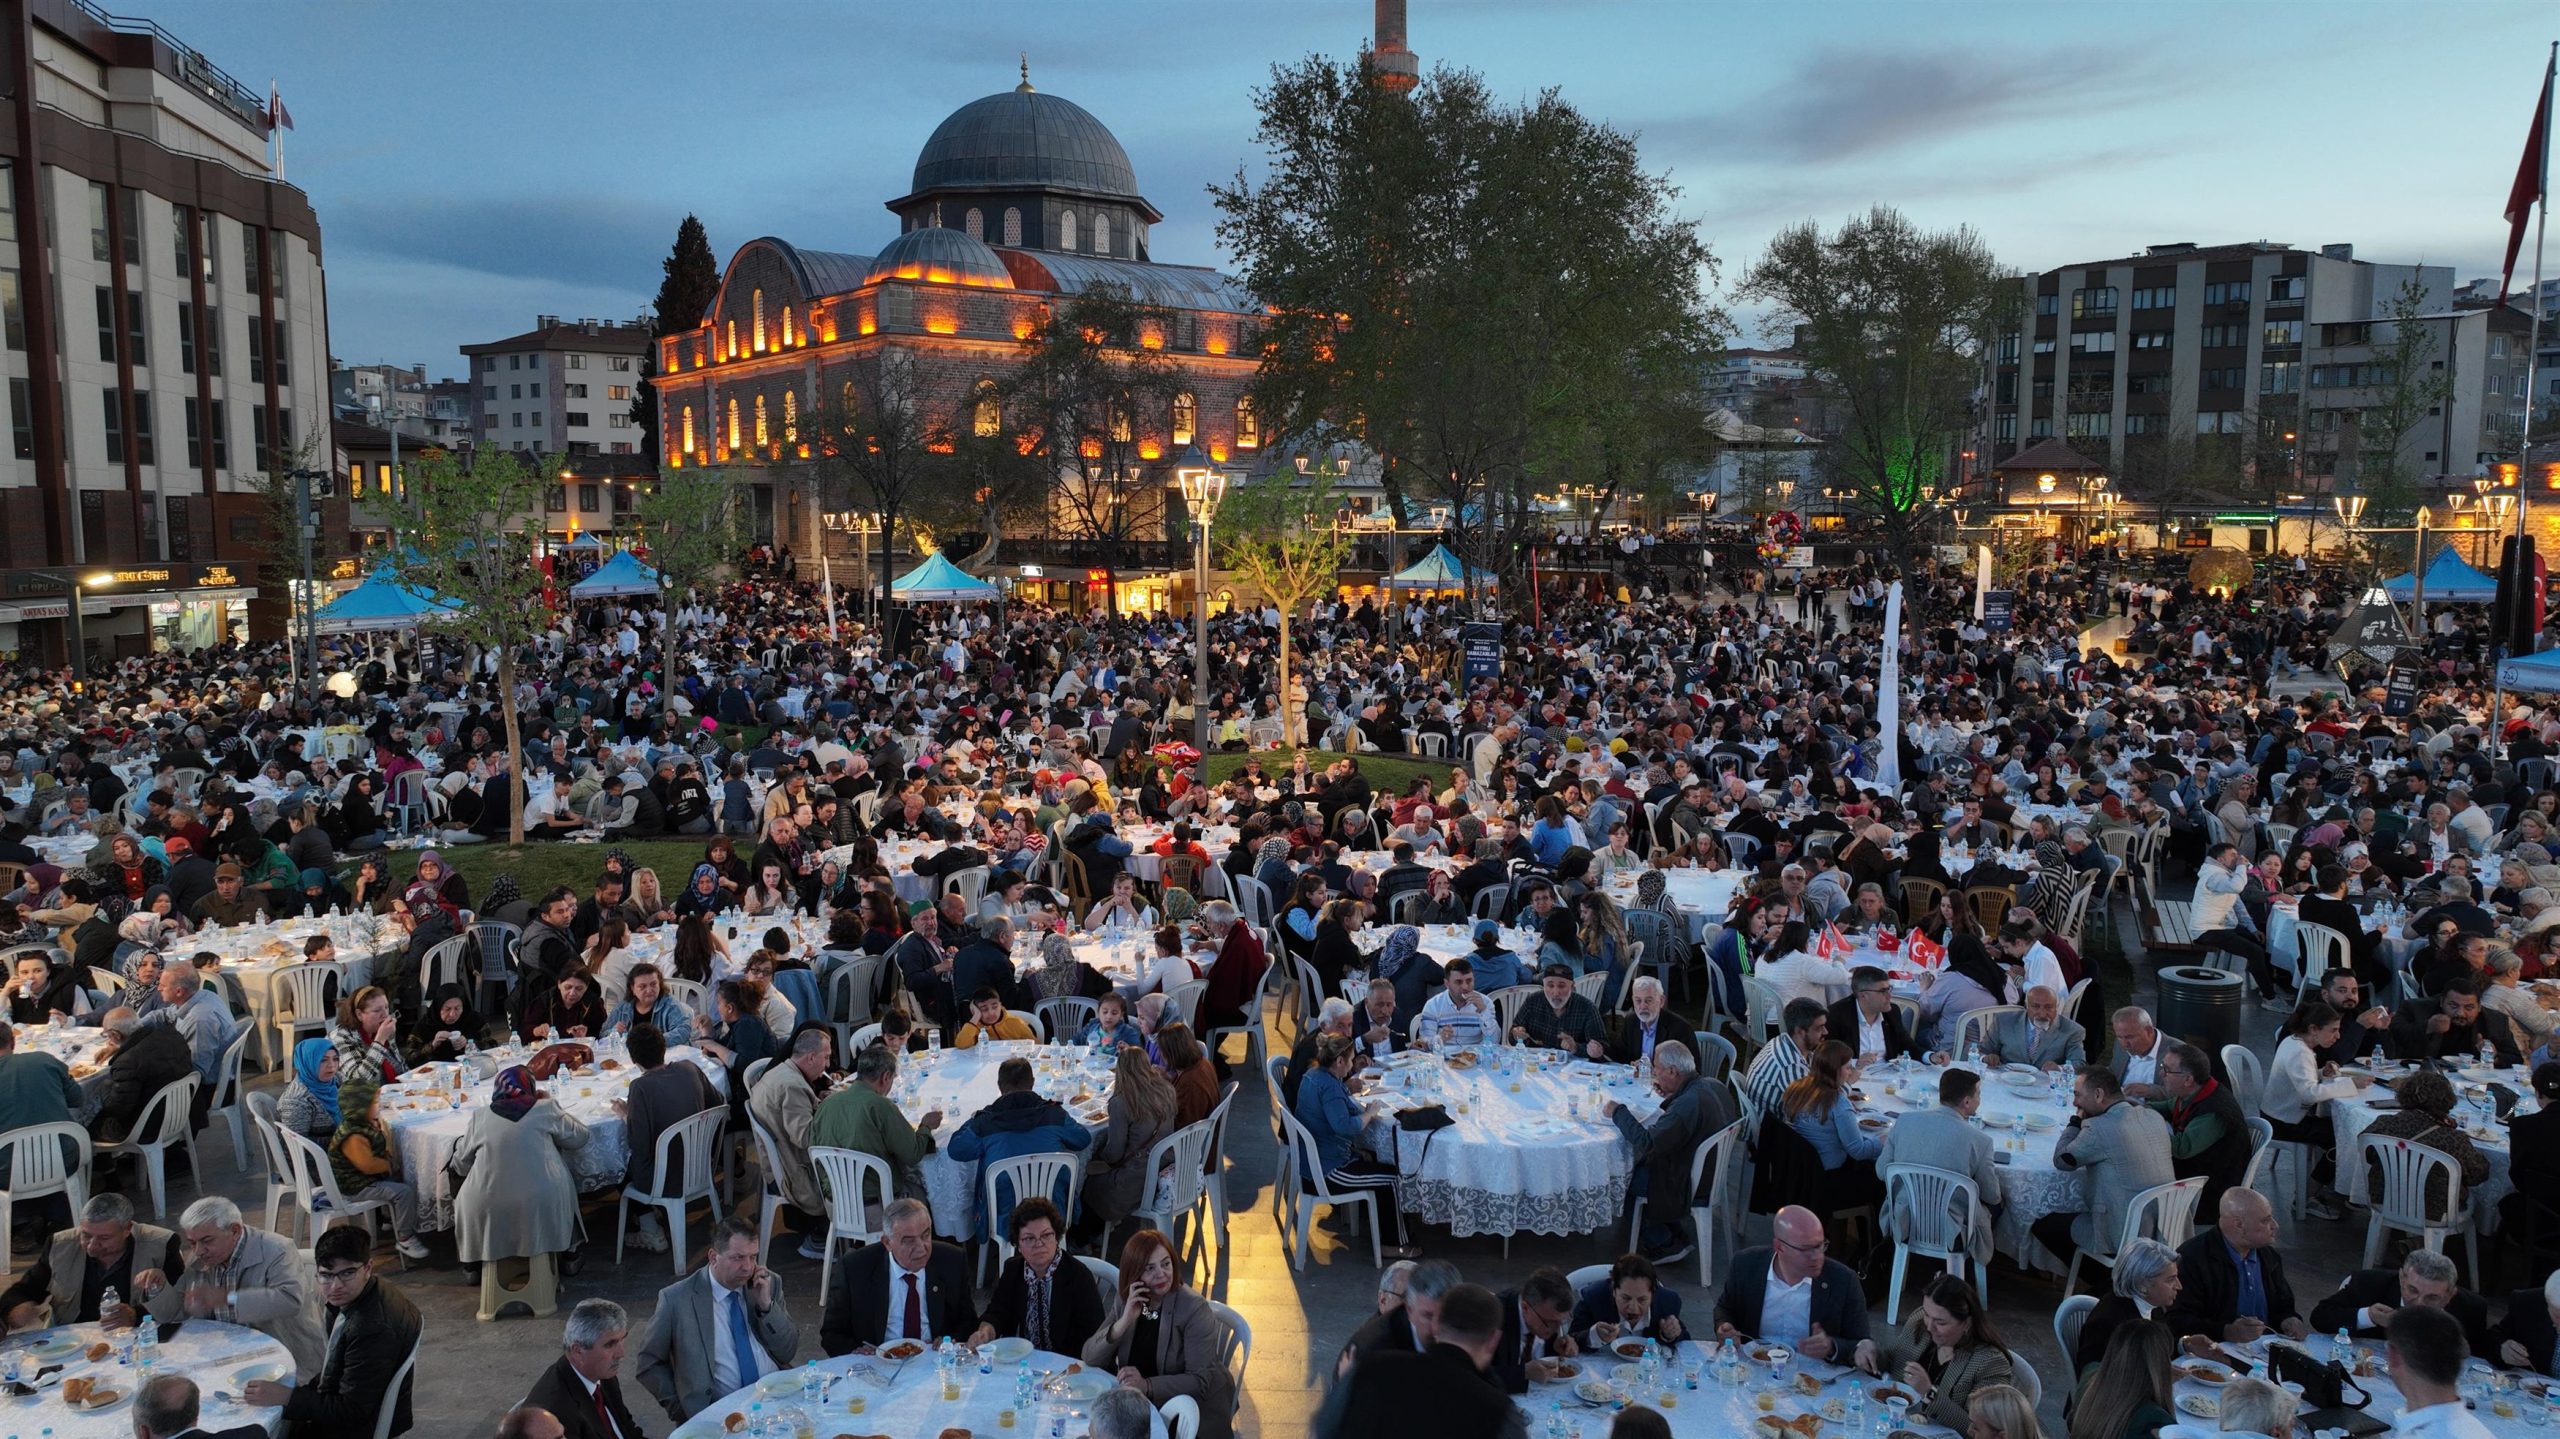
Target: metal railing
191 68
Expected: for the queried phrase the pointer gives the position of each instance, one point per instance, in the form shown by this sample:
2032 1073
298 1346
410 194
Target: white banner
1982 578
1889 696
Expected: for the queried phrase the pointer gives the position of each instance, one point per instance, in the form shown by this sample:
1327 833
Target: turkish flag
2531 173
1927 953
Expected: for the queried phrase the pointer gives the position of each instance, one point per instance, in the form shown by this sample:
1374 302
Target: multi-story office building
560 388
166 333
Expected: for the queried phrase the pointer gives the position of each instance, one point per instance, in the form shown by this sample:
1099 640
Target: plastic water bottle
757 1424
1022 1391
109 1299
1728 1362
812 1385
986 1361
146 1351
1857 1423
2342 1349
1557 1425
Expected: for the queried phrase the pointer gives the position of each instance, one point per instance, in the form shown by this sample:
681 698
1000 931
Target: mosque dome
941 256
1022 139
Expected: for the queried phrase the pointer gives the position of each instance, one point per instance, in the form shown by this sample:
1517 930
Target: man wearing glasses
1794 1293
372 1330
240 1275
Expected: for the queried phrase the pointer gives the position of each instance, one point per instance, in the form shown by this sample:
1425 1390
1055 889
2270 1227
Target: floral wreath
1781 531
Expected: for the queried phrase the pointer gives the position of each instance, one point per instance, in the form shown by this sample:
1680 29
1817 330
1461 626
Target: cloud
1844 102
576 240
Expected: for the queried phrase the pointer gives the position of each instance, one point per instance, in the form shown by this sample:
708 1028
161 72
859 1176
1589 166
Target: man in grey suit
2124 1147
2139 1047
718 1329
1946 1138
2040 1035
1694 1110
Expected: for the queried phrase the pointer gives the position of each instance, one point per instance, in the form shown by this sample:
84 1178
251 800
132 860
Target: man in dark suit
579 1389
1072 1309
1410 1327
1632 1300
2454 1025
2369 1297
909 1286
146 1060
1443 1388
2327 905
1536 1330
1694 1110
168 1408
1868 1021
986 962
2527 1336
2368 1026
1835 1311
1648 1022
2232 1280
372 1330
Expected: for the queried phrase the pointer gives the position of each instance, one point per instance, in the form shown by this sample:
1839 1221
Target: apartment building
165 338
560 388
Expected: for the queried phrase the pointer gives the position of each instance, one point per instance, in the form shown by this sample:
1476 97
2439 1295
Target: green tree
1892 323
1087 389
1280 537
467 535
1493 298
684 518
871 447
690 280
2407 387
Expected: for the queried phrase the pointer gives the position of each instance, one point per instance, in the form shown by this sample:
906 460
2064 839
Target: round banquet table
219 1357
64 851
1718 1408
82 1049
2349 1118
1443 942
905 1399
1537 1158
253 953
960 1082
2387 1403
429 1108
1705 896
2031 1187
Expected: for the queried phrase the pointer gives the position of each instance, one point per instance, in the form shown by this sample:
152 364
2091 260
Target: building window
382 476
1066 230
99 248
612 392
590 499
186 338
2040 428
106 325
1102 234
2044 346
8 203
555 499
791 416
182 223
571 362
2008 349
619 363
13 314
575 419
1248 428
2005 428
2087 425
2153 384
764 436
2283 377
619 422
2101 301
2282 332
2093 342
143 451
733 340
2139 424
1012 226
974 223
22 425
253 270
2284 287
688 429
573 392
987 413
2222 337
2228 292
2163 297
1186 418
2048 304
787 340
2151 339
733 422
759 321
257 351
112 402
205 435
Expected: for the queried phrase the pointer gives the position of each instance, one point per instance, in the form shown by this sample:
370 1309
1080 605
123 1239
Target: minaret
1393 63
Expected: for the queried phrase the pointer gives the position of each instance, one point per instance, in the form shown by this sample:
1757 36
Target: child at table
1110 1026
362 1160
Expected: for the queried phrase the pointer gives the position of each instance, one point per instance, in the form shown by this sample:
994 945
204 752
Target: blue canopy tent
2539 673
586 540
378 604
624 574
1440 570
939 580
2450 580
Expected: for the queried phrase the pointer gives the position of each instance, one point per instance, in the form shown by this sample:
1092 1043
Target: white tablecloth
2030 1186
217 1356
253 953
1705 896
426 1122
1718 1408
1537 1158
905 1400
82 1049
960 1082
2349 1118
2387 1404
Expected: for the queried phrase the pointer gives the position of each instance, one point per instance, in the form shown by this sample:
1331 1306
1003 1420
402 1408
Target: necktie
914 1322
743 1340
604 1415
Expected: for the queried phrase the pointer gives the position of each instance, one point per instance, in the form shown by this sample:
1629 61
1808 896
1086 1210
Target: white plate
1088 1386
272 1373
2022 1082
1010 1350
2203 1406
2042 1122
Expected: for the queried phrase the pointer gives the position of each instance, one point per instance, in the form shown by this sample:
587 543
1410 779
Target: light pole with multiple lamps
1203 485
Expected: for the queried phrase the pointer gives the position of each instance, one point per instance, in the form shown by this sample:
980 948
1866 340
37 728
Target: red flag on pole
2532 172
277 115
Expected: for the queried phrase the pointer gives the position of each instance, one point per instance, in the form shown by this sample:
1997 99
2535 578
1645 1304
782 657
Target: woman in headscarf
517 1197
363 1161
1441 903
569 1009
316 894
1181 906
375 889
1414 973
446 1029
155 923
450 887
505 902
309 1105
1062 974
703 894
2049 892
1271 866
355 821
129 870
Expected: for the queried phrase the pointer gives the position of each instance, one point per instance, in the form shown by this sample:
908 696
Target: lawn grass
1388 774
539 866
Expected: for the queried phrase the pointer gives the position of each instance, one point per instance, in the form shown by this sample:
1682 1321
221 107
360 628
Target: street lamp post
1203 485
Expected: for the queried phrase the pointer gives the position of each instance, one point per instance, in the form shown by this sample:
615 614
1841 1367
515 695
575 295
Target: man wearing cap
231 902
191 875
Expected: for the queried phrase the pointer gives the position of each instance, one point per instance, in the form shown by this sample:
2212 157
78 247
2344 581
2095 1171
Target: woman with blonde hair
1141 1113
648 900
2000 1411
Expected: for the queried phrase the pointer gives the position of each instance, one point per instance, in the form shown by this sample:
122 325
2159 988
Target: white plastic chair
1181 1416
1762 1008
2248 1082
1507 1003
1029 1020
261 1105
38 1166
316 1191
1930 1212
850 1178
1237 1352
1185 1002
1591 986
1024 1175
1213 1179
226 1099
700 1135
300 993
2166 1212
2068 1321
1705 1214
1975 1028
769 1194
2402 1205
1305 1181
399 1381
864 1038
2022 1373
2319 950
1064 1017
693 996
162 1124
1176 1166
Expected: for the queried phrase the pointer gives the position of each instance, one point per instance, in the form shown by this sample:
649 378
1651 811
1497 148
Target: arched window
688 429
1248 429
1120 424
764 436
759 335
1066 229
1012 226
733 422
786 327
848 400
1102 234
987 418
976 226
1186 417
733 339
791 416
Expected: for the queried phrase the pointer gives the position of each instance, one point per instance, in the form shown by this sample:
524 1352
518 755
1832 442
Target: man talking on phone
718 1329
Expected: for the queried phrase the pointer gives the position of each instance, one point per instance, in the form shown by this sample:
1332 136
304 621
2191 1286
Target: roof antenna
1025 87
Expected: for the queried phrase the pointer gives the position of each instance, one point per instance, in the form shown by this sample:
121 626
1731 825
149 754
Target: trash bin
2201 1006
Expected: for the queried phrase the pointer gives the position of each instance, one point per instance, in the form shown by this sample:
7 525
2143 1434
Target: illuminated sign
343 570
215 577
140 577
1095 579
1032 572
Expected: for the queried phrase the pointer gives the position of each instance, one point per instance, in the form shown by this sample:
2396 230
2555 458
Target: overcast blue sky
474 163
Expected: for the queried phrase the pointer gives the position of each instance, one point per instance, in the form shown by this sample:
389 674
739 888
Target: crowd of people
1629 735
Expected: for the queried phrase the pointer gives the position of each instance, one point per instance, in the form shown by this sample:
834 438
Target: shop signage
2400 690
